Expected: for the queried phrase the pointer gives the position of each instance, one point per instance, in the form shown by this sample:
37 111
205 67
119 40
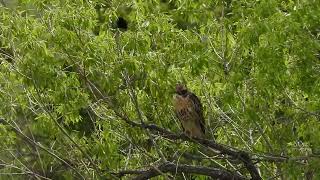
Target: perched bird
188 109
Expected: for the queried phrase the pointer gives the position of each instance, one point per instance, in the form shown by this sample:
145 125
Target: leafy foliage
67 74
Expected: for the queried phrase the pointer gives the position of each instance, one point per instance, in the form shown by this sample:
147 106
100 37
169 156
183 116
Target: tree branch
236 154
172 168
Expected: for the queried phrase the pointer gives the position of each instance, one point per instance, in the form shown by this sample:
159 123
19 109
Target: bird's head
181 89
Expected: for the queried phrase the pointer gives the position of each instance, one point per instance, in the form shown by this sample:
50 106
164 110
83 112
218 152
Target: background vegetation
86 88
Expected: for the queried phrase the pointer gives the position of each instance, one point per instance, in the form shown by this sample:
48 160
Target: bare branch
172 168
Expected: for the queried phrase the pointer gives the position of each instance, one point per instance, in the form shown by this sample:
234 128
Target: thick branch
236 154
174 169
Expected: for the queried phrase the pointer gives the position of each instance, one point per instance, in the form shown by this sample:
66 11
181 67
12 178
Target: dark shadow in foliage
121 24
6 53
87 125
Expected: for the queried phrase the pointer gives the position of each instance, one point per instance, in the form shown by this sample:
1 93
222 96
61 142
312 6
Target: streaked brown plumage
188 109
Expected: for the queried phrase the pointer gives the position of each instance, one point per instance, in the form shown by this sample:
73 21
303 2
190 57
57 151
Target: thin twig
29 140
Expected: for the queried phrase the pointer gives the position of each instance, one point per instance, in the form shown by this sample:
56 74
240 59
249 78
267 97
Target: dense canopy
86 89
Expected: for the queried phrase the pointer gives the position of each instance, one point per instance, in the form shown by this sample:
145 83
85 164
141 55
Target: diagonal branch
172 168
236 154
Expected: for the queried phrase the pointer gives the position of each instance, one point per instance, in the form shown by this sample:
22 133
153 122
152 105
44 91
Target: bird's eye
184 91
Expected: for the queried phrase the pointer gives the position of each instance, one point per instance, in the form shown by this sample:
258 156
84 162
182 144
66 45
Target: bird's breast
183 107
181 103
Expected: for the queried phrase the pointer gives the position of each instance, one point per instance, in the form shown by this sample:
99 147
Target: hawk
188 109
